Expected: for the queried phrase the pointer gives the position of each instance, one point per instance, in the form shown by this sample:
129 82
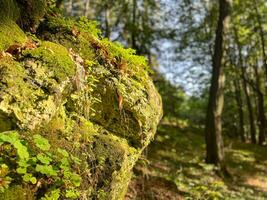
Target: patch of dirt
152 188
257 182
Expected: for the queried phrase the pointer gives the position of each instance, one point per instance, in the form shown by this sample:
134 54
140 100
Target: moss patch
55 58
10 34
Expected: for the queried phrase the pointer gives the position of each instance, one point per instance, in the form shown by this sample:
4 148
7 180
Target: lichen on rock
91 101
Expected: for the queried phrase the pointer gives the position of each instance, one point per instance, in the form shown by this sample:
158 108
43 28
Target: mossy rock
17 192
90 102
10 34
141 103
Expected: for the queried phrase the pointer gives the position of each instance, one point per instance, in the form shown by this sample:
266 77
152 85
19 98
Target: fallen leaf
30 44
120 99
14 49
75 32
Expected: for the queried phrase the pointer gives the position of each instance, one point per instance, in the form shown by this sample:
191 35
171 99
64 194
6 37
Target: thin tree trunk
246 91
260 102
134 24
59 3
250 108
87 6
107 23
239 102
261 34
213 128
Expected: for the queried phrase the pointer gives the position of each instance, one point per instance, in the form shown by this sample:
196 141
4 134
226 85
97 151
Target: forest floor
174 169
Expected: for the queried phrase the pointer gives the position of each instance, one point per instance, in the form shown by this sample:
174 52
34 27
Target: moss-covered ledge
76 111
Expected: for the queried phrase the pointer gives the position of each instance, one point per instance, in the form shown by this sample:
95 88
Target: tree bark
213 128
107 23
249 106
134 25
59 3
239 102
86 9
246 90
260 102
261 35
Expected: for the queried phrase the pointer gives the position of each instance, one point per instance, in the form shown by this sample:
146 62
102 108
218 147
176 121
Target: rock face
76 111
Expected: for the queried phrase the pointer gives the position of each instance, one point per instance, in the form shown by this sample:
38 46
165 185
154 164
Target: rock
83 108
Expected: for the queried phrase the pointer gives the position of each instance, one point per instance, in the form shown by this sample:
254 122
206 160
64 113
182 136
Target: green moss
6 123
115 160
55 57
17 192
68 24
10 34
32 89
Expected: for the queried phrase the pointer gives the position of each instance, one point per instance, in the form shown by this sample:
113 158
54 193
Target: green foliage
34 161
41 142
195 179
52 195
173 98
69 24
118 51
88 26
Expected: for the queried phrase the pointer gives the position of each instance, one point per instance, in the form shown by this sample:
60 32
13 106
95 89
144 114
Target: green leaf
21 170
41 142
43 158
33 180
29 178
64 164
75 179
46 170
22 150
76 160
13 139
72 194
23 163
63 152
52 195
9 137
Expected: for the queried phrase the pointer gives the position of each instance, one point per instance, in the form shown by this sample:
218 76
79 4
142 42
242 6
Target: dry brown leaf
14 49
75 32
30 44
120 99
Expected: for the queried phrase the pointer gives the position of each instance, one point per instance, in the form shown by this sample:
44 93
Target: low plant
33 162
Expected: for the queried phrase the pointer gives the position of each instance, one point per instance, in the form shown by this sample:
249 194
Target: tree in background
213 129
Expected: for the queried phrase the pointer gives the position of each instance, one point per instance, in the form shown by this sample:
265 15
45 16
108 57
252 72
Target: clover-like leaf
41 142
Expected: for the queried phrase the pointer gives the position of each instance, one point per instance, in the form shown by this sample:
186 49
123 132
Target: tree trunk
246 90
213 129
59 3
134 25
260 102
239 102
107 23
261 34
250 108
87 6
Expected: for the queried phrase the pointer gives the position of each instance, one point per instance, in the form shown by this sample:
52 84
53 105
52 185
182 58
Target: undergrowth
31 161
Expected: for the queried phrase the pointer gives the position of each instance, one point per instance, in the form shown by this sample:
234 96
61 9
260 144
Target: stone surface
85 95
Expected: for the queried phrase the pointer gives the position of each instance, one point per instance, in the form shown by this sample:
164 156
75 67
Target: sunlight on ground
257 182
176 160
